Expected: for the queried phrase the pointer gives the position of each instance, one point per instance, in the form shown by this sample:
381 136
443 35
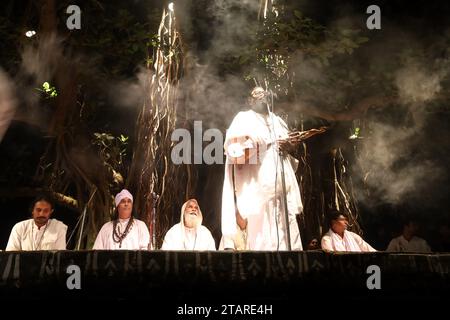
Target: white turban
121 195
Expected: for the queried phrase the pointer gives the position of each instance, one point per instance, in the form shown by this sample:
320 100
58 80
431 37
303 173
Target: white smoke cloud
417 83
210 98
7 103
393 171
42 60
233 27
130 93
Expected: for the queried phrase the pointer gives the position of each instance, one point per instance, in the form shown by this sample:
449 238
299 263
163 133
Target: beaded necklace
117 236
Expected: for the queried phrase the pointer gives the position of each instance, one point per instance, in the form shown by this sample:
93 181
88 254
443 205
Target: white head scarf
183 208
122 195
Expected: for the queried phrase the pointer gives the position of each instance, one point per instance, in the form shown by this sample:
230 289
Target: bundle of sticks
299 136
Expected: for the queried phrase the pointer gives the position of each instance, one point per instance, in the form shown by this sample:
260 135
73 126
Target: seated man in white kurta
40 232
124 232
338 238
408 241
189 233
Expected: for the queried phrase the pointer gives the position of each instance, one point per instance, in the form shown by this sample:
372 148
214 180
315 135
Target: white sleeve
60 243
365 247
326 243
426 246
211 241
99 244
144 236
14 243
392 247
168 243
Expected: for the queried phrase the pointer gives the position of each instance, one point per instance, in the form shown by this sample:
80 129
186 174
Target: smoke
398 154
416 83
7 103
395 168
222 28
397 157
233 25
130 93
211 99
39 62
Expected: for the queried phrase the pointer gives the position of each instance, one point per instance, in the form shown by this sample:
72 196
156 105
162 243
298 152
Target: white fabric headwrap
121 195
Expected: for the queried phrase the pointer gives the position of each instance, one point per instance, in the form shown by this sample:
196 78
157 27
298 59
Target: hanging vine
152 169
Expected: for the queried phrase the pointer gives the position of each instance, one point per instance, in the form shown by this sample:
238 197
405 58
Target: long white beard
191 221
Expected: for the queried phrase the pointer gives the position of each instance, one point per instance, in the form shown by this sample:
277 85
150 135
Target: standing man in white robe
124 232
253 195
189 233
338 238
40 232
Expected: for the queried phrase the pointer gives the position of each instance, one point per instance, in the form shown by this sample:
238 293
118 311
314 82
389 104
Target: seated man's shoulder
139 222
420 240
106 225
59 223
174 228
397 239
23 226
23 223
326 237
355 235
247 114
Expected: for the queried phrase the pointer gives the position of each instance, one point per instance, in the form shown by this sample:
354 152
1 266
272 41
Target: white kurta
25 235
416 244
331 241
138 238
191 239
258 183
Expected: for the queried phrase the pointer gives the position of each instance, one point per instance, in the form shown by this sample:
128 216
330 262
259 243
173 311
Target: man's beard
259 107
40 221
191 221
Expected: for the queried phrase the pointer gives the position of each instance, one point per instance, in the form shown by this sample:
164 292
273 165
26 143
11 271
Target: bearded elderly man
124 232
40 232
189 233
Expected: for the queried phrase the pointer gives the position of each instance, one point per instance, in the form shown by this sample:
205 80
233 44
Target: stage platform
221 277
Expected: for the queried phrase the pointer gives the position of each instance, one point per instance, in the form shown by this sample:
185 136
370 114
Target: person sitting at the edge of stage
338 238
